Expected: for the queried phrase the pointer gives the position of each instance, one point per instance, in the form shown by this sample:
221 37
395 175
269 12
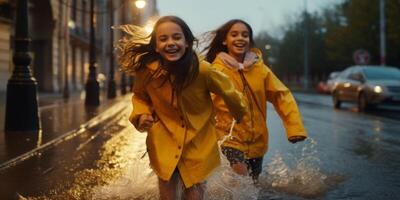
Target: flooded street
349 155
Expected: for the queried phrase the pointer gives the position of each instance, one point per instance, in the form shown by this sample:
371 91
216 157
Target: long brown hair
216 44
136 56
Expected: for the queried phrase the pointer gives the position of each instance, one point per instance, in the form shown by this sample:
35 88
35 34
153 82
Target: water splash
135 183
225 184
124 174
137 180
301 177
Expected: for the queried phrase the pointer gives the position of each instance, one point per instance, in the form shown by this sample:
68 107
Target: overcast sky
270 15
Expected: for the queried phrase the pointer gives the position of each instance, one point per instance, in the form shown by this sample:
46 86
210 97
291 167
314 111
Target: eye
162 38
245 34
177 36
234 34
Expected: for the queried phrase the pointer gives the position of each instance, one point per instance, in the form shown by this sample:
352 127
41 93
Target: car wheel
362 102
336 101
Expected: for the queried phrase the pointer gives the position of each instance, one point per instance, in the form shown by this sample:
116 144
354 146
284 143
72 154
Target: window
73 10
83 12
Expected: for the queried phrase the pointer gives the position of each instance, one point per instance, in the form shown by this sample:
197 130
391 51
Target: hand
145 122
237 121
295 139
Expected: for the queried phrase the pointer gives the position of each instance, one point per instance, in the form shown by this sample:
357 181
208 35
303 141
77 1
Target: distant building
59 30
5 48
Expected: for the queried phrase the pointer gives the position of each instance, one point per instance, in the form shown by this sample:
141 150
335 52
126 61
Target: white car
367 86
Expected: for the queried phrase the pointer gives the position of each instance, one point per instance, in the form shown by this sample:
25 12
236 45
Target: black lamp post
306 67
21 105
66 63
92 85
111 89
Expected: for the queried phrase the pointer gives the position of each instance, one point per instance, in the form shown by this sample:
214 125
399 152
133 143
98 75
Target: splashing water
289 175
302 177
124 173
225 184
138 181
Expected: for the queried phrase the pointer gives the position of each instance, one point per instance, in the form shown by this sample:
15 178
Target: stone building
59 32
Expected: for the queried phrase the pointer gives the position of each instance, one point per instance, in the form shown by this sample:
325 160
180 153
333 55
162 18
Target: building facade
5 44
59 32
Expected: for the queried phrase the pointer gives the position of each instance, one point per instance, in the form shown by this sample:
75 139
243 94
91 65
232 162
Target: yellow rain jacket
184 133
251 135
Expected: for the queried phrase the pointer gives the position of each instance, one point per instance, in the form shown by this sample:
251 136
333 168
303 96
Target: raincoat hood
249 60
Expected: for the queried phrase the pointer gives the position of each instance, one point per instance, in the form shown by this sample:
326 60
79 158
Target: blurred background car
368 86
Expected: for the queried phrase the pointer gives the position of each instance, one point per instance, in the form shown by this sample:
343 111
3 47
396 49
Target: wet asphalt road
361 148
349 155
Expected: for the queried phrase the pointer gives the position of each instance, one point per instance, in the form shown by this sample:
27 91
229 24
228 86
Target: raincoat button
183 125
179 147
176 156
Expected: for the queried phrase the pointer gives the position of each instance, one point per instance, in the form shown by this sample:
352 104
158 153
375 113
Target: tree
269 47
291 51
354 24
334 35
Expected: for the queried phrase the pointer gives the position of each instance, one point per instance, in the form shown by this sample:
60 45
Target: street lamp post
21 105
306 67
268 55
66 51
92 85
140 4
382 32
111 89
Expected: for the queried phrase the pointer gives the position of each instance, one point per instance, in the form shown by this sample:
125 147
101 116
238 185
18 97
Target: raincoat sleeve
140 101
285 105
219 84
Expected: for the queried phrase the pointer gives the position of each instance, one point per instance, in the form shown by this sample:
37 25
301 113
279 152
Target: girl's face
170 41
237 41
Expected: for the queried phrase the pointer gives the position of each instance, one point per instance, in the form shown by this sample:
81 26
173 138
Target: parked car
367 86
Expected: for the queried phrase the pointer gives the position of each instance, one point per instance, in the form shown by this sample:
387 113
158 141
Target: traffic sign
361 57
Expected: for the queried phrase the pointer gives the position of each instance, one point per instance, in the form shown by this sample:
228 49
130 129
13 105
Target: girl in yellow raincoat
231 52
172 103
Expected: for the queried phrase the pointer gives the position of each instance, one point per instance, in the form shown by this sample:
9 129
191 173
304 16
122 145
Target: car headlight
378 89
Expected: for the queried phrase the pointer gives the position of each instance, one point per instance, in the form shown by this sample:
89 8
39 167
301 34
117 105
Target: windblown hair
219 35
136 54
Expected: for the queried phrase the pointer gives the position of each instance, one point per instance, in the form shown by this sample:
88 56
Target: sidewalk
60 120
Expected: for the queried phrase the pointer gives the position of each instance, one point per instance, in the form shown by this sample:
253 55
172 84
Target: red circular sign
361 57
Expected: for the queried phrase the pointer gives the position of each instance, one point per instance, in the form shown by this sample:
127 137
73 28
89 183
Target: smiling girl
231 51
172 103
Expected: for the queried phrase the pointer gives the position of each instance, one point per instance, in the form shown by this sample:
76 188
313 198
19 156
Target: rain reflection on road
349 155
123 172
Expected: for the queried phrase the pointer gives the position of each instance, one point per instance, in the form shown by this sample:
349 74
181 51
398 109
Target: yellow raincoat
251 135
184 133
